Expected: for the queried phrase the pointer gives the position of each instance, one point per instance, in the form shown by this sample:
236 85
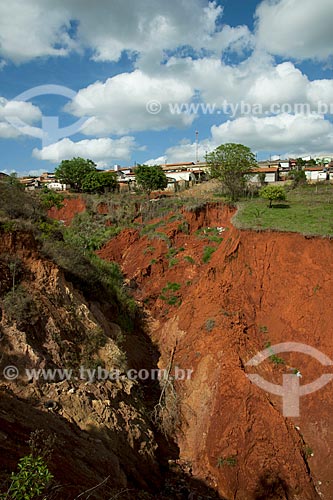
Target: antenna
196 145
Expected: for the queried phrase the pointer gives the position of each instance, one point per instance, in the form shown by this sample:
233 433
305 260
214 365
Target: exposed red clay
257 288
71 207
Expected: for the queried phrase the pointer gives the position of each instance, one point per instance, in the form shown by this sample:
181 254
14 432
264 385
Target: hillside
208 297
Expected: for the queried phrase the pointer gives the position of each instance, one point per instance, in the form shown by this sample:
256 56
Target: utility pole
196 146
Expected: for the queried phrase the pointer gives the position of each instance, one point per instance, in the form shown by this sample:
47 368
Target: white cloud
33 28
102 151
37 28
300 134
290 28
122 104
283 131
24 111
161 160
187 151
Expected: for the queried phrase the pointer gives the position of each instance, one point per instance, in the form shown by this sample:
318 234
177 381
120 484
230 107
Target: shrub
189 259
168 296
209 325
298 177
273 193
230 461
20 306
30 480
207 254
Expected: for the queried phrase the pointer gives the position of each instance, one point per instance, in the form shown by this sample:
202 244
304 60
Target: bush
89 232
20 306
168 296
30 481
298 177
273 193
207 254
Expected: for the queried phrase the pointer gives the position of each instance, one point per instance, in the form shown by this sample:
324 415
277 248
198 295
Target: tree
262 178
272 193
300 163
150 178
98 182
73 171
231 164
298 177
311 163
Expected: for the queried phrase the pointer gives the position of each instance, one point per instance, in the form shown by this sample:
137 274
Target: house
271 174
269 163
316 174
57 186
3 175
178 166
30 183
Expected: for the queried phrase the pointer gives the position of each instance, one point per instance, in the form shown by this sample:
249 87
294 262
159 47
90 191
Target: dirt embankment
255 290
102 428
71 207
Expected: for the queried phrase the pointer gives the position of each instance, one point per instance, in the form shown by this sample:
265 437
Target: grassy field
307 210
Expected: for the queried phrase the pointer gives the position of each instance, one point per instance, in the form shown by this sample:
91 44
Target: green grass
207 253
307 210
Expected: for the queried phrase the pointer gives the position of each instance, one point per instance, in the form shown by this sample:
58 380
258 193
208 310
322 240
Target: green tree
231 164
311 163
150 178
272 193
99 182
74 171
300 163
298 177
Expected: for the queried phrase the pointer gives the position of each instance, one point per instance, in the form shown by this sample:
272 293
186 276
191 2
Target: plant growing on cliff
231 164
168 294
31 479
207 254
49 199
272 193
230 461
33 476
20 306
166 414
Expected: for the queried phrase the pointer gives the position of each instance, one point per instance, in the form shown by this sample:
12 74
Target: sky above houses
122 81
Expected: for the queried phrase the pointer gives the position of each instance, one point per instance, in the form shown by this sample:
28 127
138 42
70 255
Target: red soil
71 207
256 288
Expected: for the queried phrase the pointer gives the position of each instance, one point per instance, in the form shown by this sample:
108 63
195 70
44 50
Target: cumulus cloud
287 134
131 102
11 111
295 132
48 28
102 151
290 28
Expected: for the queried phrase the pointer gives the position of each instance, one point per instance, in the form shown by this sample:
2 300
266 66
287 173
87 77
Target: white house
316 174
57 186
271 174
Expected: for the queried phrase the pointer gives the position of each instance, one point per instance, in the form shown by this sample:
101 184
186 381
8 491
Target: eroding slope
256 289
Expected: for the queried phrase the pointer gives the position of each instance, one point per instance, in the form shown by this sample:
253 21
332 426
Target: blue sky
264 69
